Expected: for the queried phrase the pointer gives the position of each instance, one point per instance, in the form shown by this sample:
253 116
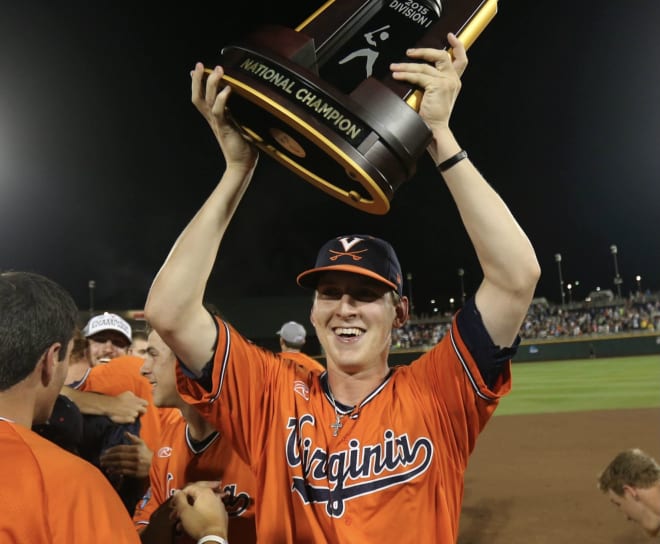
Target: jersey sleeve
112 378
463 402
240 401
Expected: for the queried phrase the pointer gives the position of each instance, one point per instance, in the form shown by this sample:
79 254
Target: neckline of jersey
344 409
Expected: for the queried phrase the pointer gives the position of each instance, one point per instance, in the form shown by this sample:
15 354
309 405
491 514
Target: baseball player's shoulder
173 432
168 416
122 365
132 361
64 483
51 464
305 363
51 457
118 375
415 371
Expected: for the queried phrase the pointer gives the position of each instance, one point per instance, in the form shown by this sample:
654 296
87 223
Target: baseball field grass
583 384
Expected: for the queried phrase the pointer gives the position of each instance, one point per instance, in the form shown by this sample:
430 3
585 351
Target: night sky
103 159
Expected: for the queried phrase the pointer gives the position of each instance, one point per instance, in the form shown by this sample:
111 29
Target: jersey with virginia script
49 495
393 472
180 460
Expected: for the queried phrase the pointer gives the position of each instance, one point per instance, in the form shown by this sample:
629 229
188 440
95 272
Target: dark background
103 159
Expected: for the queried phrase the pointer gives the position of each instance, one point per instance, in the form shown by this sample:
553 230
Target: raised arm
505 254
174 305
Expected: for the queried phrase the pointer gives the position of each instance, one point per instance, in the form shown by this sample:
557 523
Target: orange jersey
123 374
49 495
393 473
178 462
304 360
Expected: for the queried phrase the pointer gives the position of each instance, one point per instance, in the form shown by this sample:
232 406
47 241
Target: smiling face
106 345
353 316
160 369
635 509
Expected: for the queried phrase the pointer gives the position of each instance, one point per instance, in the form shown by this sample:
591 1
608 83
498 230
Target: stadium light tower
561 279
461 273
409 277
638 279
569 287
92 285
617 278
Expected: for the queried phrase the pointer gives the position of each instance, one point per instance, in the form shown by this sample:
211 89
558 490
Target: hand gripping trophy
320 99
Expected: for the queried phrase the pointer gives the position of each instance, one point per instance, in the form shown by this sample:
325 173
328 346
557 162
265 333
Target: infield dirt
532 478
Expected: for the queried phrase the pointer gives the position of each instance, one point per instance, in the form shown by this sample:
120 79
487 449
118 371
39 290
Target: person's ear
632 491
48 362
401 310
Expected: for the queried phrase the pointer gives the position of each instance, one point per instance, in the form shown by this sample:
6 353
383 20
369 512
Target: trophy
320 99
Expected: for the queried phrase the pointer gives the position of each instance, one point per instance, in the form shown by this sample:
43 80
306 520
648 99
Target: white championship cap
108 322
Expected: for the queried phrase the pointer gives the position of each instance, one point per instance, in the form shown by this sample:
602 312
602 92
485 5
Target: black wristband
451 161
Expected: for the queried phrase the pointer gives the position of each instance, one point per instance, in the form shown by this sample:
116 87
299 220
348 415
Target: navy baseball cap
360 254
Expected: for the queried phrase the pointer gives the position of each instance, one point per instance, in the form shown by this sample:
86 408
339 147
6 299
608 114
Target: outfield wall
259 318
621 345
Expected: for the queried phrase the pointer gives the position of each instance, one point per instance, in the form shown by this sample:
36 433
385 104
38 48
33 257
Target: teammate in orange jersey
105 337
100 386
48 494
356 453
191 450
120 377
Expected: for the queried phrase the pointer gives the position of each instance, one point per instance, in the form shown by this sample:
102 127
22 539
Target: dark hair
35 313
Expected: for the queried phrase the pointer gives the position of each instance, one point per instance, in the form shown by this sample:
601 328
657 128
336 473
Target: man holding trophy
361 452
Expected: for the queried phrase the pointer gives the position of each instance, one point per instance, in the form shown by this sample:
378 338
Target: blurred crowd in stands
546 320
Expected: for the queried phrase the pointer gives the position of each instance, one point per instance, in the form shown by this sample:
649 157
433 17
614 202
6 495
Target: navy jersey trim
225 359
466 369
199 446
78 384
343 409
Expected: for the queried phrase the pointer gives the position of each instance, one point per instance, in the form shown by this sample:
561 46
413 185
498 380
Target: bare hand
439 76
212 104
200 509
128 459
125 407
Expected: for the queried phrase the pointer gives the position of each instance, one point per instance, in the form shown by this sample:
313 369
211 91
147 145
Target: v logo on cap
347 243
358 254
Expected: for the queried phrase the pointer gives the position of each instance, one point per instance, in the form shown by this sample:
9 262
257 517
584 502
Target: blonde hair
632 467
